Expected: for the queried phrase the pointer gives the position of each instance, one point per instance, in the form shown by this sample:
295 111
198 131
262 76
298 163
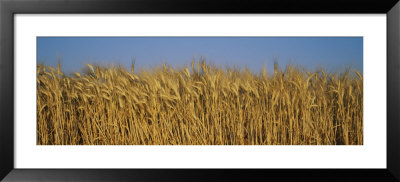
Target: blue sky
332 53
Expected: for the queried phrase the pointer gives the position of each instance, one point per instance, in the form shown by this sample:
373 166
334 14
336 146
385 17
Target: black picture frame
9 8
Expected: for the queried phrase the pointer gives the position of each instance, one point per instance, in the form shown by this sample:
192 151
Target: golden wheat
199 105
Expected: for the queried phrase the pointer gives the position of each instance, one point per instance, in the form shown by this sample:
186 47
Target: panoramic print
199 91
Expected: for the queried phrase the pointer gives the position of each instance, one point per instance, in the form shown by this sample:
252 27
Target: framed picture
177 90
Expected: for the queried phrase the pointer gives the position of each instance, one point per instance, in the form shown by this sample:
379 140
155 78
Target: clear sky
332 53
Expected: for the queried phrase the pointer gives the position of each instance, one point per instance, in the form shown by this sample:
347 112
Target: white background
370 155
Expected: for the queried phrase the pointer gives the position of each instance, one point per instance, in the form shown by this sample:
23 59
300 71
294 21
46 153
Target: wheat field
200 104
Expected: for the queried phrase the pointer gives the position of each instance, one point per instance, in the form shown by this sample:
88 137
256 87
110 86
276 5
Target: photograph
169 91
199 90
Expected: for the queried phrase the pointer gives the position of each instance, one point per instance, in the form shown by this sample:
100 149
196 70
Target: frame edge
7 89
393 84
